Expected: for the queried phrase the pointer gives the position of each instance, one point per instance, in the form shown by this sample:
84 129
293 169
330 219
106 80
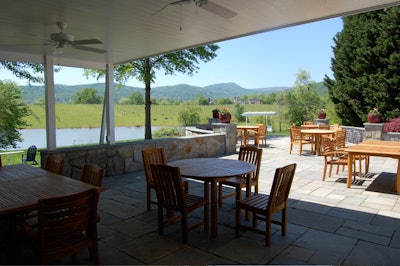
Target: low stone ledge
126 157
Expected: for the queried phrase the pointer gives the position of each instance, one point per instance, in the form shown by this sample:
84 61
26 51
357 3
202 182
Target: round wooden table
211 171
317 133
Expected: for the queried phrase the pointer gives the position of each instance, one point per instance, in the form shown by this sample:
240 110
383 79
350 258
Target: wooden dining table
211 171
317 137
22 185
245 130
379 148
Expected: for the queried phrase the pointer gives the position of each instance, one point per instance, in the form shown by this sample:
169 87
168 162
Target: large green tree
366 66
12 114
184 61
87 96
304 101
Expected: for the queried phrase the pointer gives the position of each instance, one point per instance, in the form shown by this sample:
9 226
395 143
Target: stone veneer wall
369 131
126 157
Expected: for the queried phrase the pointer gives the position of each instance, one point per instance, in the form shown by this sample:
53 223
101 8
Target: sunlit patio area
327 222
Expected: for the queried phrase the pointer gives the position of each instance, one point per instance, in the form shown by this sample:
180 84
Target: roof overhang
134 29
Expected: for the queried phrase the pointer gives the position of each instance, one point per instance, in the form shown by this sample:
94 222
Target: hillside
66 93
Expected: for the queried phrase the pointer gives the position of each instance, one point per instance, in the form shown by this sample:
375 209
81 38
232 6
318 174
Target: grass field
89 115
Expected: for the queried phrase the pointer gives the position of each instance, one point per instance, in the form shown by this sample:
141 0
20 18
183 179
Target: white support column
50 103
110 104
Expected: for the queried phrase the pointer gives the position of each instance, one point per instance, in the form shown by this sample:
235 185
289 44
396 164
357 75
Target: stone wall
126 157
369 131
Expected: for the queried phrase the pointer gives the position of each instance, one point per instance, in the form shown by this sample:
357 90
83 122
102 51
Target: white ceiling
133 29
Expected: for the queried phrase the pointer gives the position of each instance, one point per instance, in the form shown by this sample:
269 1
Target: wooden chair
297 138
340 144
308 123
92 174
30 155
333 157
54 164
172 196
66 225
264 206
251 155
260 134
153 156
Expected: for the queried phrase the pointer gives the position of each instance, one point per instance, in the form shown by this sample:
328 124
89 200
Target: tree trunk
147 125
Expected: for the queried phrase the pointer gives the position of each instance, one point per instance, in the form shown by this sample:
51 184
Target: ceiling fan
63 40
206 5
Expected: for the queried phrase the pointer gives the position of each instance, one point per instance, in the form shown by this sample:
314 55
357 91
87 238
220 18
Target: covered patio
100 34
327 222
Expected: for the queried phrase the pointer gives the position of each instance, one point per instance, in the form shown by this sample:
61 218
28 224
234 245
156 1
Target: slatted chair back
264 206
252 155
67 225
171 195
54 164
340 139
151 156
92 174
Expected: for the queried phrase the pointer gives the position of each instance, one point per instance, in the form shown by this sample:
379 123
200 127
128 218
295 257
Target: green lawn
89 115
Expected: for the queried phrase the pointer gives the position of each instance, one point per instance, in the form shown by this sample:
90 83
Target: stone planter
224 118
374 118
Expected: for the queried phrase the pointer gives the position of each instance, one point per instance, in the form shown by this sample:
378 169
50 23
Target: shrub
393 125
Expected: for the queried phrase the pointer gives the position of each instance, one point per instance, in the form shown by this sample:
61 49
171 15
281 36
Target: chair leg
237 212
160 220
184 223
148 198
323 178
268 223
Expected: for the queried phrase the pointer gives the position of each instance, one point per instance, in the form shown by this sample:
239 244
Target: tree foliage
134 98
13 112
190 116
184 61
87 96
303 101
366 66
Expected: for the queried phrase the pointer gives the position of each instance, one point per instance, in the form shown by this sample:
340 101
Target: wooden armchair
332 156
153 156
251 155
172 196
340 144
65 226
259 134
264 206
297 138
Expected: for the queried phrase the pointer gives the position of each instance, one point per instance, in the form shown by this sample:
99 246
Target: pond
77 136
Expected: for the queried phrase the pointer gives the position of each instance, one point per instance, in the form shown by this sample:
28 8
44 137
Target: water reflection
77 136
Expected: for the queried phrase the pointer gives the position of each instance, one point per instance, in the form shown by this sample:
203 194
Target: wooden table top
246 127
317 131
21 186
376 147
209 168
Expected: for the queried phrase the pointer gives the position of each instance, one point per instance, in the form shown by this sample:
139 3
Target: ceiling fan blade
218 10
90 49
179 2
88 41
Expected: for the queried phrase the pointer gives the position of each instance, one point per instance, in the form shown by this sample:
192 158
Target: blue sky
263 60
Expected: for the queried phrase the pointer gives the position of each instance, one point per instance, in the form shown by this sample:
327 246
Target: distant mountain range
66 93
